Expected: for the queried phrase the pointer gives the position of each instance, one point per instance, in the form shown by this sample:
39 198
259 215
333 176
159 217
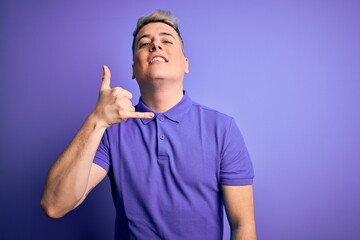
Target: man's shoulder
211 112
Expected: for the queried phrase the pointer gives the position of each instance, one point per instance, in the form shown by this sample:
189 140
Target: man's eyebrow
167 34
162 33
143 36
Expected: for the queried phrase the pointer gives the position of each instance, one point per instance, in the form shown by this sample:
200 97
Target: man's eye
167 42
144 44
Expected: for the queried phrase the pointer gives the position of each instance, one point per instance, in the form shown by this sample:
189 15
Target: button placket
161 118
162 153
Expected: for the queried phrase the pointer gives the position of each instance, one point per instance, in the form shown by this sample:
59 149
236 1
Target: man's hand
114 104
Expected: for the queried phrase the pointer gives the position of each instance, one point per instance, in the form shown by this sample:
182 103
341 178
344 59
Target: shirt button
162 136
161 117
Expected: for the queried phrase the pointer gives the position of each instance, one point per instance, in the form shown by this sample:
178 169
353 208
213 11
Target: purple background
288 71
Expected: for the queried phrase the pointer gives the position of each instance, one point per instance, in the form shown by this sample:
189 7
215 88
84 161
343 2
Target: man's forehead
156 28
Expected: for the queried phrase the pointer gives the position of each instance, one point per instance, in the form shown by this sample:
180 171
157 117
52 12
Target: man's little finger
141 115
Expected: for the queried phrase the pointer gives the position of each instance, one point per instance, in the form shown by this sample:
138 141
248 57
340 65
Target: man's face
158 54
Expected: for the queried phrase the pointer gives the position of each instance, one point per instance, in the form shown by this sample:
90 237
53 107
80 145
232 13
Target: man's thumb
105 84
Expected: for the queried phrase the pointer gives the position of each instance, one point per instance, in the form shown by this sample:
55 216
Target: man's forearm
244 233
68 178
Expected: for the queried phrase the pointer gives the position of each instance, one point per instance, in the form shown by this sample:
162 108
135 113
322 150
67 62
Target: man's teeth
159 59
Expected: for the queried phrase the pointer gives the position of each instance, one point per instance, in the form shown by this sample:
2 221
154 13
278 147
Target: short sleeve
236 167
102 155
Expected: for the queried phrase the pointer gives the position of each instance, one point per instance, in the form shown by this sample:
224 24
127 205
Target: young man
172 163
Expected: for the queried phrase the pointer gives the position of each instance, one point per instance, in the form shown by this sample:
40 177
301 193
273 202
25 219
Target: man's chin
156 77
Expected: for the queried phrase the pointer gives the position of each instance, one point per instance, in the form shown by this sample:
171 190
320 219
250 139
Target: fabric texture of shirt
166 172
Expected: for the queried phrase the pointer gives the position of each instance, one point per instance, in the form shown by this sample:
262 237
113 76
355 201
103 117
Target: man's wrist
96 123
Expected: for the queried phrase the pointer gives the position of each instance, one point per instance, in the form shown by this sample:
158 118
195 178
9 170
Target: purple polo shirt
166 173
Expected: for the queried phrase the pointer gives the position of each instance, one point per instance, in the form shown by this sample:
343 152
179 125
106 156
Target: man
171 162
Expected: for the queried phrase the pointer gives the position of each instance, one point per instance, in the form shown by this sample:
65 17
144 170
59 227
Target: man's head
158 51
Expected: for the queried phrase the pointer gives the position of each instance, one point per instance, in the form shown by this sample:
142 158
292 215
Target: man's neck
162 99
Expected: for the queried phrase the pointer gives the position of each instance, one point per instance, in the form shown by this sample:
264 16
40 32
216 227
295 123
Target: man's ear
186 70
132 74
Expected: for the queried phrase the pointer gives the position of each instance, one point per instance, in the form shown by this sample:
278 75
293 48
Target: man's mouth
157 59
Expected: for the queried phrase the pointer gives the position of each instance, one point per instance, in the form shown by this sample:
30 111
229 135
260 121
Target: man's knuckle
117 98
113 93
122 114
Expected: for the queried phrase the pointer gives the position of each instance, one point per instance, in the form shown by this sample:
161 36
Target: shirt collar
176 113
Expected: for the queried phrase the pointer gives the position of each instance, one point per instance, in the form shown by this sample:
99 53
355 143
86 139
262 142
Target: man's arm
239 205
74 174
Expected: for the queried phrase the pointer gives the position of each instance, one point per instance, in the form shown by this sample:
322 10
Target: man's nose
155 46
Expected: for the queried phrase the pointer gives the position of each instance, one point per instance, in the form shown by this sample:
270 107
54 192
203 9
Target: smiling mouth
157 59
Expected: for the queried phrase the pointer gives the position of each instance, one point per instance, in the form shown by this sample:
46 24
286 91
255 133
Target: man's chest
167 154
